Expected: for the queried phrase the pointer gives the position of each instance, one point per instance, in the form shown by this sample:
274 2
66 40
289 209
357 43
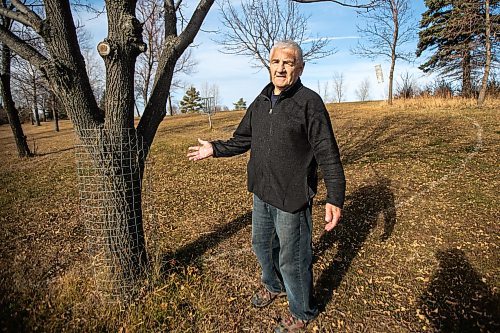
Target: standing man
289 133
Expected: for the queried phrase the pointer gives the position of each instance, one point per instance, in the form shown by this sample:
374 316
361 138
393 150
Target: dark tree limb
16 16
352 4
23 49
170 19
194 25
67 73
178 4
33 18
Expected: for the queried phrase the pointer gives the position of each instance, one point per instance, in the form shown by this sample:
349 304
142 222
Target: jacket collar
290 91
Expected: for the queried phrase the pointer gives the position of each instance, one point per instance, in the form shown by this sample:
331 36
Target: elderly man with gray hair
289 134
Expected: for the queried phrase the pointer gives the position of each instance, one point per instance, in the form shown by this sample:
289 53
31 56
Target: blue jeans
282 243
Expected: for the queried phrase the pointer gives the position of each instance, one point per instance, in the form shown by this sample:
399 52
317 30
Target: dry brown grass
417 249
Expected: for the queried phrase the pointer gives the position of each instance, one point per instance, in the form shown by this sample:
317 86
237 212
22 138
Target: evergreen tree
454 30
240 105
191 102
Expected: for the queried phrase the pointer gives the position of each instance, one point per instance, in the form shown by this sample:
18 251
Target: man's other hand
332 216
200 152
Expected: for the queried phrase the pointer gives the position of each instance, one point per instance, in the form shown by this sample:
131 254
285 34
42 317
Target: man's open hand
332 216
200 152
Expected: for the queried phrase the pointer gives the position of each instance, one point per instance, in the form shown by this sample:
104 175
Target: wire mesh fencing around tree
111 167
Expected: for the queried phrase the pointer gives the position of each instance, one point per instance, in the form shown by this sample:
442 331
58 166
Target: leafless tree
323 91
65 69
253 30
339 86
214 92
388 26
406 87
6 91
30 86
211 90
363 91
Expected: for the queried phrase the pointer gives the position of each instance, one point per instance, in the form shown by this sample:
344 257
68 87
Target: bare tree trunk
44 108
391 78
111 193
55 114
466 75
35 101
395 35
484 83
12 113
127 246
137 109
170 110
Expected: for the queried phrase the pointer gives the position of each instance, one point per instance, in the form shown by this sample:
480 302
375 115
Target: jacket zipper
268 181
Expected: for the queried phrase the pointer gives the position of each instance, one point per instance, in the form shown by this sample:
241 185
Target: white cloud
310 40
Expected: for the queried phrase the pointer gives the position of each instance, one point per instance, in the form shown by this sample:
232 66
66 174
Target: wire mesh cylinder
110 166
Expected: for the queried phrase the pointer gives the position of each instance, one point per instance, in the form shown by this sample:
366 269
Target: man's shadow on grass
458 298
359 218
190 254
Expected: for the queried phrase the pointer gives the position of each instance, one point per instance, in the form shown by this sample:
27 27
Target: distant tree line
193 101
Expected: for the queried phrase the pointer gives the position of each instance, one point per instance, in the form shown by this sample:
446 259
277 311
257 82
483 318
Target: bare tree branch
33 18
187 36
352 4
178 4
17 16
22 48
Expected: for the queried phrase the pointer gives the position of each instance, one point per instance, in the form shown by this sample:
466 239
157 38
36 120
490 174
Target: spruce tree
453 30
191 102
240 105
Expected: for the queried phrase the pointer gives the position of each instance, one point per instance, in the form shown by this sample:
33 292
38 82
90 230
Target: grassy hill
417 249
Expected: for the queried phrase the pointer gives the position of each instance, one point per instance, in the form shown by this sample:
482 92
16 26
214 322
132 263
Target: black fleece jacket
287 143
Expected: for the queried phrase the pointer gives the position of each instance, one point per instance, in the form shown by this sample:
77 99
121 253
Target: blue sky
236 78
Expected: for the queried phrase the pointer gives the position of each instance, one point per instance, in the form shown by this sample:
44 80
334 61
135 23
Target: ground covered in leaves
417 249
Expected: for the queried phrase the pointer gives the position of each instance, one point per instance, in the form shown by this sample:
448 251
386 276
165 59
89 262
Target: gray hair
289 44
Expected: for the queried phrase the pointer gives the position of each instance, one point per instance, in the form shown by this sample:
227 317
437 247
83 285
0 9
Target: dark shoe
264 297
291 325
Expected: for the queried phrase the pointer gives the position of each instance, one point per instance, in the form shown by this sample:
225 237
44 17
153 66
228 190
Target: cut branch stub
104 49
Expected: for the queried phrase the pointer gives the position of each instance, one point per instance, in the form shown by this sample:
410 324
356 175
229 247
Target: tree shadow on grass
366 140
55 151
359 219
12 313
190 253
457 298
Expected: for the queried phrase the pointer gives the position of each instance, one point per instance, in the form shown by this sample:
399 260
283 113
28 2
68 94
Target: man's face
285 68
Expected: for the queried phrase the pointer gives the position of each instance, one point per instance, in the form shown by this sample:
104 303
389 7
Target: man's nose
281 66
